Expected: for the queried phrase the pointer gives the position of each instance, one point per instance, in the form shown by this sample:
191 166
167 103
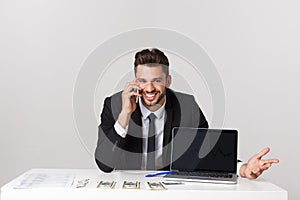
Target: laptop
203 155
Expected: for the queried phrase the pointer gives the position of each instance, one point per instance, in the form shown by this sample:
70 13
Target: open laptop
204 155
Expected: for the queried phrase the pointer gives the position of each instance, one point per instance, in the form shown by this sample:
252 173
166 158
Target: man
136 124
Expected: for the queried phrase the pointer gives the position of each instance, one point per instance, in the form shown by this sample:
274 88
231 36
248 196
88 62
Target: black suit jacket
115 152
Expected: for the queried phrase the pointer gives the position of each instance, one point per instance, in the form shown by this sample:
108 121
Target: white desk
244 190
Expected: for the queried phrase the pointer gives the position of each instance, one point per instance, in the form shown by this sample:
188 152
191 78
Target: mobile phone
137 97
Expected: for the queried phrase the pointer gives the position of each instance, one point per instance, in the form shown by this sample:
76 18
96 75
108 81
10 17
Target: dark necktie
151 143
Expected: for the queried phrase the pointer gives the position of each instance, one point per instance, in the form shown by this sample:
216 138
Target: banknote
155 186
106 184
131 185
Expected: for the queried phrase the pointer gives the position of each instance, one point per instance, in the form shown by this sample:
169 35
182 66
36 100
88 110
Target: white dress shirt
159 133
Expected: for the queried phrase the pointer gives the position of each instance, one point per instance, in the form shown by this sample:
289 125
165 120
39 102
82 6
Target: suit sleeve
202 119
202 122
107 151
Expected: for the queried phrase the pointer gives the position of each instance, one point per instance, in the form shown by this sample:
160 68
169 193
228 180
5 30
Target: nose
149 87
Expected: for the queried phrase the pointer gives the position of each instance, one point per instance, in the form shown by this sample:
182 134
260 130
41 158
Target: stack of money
131 185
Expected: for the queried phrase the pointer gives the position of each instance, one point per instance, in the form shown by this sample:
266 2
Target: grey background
43 44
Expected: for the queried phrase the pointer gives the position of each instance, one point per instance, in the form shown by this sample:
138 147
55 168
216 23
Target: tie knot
151 117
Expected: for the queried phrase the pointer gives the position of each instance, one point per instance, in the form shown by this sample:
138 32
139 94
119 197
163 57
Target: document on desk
45 180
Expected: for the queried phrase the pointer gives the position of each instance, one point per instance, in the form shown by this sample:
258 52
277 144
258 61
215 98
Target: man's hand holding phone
130 97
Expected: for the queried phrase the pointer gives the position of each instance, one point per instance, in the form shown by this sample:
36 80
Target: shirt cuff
120 130
239 164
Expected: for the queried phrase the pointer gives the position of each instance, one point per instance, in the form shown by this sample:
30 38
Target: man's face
153 82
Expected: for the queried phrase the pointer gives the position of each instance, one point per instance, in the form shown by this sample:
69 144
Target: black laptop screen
204 150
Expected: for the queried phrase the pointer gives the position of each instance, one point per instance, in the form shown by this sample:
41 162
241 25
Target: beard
155 101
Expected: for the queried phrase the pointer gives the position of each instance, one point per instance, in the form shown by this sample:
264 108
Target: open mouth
150 96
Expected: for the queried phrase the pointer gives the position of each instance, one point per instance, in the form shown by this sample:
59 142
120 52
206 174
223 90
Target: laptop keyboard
203 174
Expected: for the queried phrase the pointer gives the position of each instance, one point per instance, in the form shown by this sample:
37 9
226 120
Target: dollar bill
82 183
106 184
155 186
131 185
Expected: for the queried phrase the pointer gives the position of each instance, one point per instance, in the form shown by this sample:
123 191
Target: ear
169 81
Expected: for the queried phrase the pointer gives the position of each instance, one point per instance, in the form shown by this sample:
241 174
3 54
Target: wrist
123 119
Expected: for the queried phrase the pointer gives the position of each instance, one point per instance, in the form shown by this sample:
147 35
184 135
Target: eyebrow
154 79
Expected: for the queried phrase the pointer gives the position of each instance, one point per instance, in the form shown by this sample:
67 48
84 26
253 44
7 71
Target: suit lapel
172 120
168 126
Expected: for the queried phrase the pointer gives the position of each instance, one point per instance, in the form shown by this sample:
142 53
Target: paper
106 184
45 180
155 186
131 185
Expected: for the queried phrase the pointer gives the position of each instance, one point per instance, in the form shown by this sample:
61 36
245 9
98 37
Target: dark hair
152 57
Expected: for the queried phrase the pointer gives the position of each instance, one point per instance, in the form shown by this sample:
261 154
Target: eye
158 80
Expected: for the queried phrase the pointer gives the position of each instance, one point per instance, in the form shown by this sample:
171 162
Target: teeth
150 95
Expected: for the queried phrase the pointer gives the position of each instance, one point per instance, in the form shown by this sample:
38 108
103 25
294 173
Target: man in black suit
147 106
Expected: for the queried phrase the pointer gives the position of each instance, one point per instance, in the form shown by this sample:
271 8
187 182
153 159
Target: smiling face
153 82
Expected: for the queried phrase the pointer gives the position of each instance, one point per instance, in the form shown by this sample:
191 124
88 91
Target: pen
160 173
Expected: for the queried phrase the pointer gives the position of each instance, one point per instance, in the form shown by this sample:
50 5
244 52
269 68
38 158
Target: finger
130 84
271 161
132 88
262 153
251 176
266 166
137 83
257 174
268 163
132 94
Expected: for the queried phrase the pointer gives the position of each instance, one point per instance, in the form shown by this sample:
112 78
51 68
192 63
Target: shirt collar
145 112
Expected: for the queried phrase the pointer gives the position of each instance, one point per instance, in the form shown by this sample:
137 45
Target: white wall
43 44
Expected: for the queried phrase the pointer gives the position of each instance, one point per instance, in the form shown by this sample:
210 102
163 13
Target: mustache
147 92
